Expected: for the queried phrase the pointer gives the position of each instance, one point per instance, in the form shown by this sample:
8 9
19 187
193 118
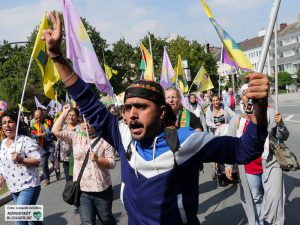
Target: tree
125 59
284 78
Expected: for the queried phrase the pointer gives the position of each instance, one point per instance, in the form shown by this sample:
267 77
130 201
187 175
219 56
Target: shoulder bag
71 193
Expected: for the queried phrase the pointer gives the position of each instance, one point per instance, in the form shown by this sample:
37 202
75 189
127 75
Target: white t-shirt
17 176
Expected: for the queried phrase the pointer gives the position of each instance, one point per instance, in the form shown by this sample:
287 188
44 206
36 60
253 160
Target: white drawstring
154 151
135 169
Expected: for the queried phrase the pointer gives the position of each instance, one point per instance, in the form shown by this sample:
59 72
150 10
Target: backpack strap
172 138
173 142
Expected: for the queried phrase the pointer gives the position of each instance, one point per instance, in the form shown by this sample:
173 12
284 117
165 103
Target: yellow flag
109 71
231 46
180 76
45 64
23 109
202 80
149 72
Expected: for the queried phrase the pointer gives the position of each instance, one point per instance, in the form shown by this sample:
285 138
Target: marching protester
218 116
197 109
263 195
41 131
96 191
64 147
18 164
185 118
159 182
229 99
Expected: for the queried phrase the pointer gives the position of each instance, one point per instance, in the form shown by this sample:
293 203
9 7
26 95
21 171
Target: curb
8 197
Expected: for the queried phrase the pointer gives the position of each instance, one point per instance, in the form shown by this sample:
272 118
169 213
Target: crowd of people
162 146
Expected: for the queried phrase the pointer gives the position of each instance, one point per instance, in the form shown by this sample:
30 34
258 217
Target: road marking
289 117
292 121
287 105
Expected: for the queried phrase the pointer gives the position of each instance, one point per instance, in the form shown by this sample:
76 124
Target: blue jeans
28 196
255 182
47 152
66 165
96 203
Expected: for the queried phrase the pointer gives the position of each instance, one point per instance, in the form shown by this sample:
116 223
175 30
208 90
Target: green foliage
284 78
298 74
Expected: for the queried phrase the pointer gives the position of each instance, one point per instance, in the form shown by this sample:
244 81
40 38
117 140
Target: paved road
217 206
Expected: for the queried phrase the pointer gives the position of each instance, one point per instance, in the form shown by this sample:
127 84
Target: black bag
71 193
285 157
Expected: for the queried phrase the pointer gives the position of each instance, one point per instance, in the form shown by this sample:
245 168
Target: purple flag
167 71
81 51
38 104
55 107
226 59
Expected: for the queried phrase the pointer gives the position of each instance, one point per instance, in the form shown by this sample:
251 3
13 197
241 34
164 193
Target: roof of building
290 28
252 43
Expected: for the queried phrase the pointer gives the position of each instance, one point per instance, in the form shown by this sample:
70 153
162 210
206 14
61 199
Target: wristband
56 56
69 77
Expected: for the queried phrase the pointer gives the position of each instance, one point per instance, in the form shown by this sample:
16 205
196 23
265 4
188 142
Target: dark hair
213 96
10 114
14 116
192 95
75 110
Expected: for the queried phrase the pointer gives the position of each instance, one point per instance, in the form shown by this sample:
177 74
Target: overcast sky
132 19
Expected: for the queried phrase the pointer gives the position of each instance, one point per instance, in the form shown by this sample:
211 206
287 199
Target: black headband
149 90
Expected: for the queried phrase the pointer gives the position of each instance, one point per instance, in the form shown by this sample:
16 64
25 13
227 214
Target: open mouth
135 127
8 131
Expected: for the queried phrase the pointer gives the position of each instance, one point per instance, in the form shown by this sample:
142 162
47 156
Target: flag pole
103 55
219 74
22 99
87 133
191 86
267 39
268 36
276 67
150 46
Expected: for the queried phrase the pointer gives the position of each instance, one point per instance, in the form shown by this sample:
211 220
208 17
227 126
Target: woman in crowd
95 185
185 118
217 115
64 146
262 194
18 164
197 109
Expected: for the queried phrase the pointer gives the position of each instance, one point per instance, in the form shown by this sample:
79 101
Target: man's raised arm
53 44
88 103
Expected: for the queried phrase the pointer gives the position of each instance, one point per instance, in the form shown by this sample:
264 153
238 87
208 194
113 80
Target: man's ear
163 111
